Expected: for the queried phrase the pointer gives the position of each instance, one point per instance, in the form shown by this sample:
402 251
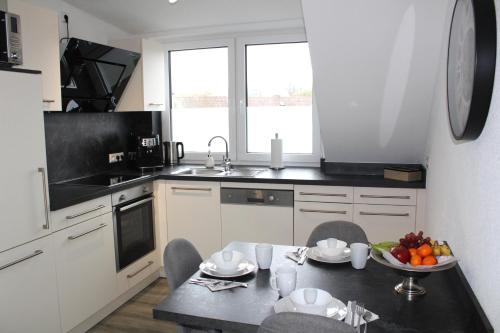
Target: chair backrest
181 260
292 322
346 231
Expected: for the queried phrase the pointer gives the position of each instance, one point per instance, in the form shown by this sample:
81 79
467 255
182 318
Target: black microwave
10 39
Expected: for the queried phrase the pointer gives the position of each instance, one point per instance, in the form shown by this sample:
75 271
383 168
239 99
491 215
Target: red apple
401 253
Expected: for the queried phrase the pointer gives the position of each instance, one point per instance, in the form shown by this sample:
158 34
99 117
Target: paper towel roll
276 153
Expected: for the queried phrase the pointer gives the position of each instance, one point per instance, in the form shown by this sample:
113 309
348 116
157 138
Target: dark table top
449 305
62 195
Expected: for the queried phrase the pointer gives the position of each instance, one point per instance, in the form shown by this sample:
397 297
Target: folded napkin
349 315
217 285
300 259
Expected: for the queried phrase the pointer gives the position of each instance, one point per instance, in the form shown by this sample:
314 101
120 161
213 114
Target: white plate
336 309
208 267
314 254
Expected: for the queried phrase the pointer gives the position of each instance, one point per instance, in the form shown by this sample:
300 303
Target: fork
360 311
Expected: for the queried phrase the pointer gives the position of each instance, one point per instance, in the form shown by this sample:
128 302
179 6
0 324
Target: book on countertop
404 174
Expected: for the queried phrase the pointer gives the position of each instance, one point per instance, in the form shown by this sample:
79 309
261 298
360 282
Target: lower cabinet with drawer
384 222
75 214
138 271
28 290
308 215
86 269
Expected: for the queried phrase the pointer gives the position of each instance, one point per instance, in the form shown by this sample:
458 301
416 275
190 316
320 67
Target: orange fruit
416 260
424 250
429 261
413 251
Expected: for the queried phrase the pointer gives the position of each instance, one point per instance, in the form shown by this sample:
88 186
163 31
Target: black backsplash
78 144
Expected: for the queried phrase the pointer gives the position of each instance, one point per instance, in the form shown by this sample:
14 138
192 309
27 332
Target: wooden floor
137 314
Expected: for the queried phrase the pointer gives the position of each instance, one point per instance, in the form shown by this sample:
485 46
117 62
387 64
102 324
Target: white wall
463 193
374 64
82 24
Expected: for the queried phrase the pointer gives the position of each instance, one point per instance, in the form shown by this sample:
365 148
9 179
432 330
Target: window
199 97
246 90
279 97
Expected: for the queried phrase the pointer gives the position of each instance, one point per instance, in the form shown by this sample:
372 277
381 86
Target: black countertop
448 306
62 195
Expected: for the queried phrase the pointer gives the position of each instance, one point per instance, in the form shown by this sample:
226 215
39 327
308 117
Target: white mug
284 280
227 256
359 255
264 255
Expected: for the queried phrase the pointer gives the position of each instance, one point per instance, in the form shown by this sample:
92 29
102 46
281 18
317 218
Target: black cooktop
104 180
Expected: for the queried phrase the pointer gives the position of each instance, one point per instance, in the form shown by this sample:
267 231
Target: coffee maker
149 153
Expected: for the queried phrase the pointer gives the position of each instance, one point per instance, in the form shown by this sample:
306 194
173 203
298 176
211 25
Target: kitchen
236 123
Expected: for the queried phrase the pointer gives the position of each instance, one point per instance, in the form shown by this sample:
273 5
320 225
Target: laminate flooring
136 316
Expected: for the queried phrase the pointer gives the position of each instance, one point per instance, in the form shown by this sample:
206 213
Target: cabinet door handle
70 217
384 214
129 276
343 212
15 262
155 104
102 225
373 196
49 101
343 195
207 189
45 200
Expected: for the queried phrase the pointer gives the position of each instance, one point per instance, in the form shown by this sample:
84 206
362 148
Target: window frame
241 97
197 157
237 140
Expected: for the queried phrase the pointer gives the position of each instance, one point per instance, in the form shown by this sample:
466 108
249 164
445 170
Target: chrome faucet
226 162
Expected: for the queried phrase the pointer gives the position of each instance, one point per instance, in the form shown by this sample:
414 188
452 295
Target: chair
292 322
346 231
181 260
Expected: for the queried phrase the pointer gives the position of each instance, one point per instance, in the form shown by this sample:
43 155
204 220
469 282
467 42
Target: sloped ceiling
154 16
375 64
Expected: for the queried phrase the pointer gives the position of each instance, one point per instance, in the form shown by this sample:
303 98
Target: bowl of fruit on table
413 257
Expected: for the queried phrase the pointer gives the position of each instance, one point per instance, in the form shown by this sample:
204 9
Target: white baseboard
108 309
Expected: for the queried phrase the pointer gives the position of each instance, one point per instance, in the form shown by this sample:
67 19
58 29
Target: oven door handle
135 204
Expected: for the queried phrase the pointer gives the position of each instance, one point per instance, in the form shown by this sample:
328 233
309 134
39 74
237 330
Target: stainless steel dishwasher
257 215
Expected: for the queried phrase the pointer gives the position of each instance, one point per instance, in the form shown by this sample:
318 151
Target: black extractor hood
94 76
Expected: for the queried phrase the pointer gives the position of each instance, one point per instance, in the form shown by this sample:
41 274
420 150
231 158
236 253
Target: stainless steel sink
200 172
238 172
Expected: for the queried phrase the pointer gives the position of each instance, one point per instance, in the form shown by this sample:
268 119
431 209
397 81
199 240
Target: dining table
448 306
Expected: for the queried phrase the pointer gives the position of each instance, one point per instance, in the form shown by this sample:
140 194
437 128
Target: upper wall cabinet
40 37
146 89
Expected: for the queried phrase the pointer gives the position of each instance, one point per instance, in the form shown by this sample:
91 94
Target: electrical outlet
116 157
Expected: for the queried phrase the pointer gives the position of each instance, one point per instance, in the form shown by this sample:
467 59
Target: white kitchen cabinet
308 215
40 39
138 271
316 193
78 213
193 213
146 88
385 222
385 196
24 195
28 291
86 269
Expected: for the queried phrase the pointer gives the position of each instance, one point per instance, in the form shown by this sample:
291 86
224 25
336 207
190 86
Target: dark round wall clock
471 66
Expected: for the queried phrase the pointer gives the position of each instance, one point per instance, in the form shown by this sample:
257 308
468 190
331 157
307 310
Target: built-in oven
133 219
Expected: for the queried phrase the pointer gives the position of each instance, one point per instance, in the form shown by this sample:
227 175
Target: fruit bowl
409 287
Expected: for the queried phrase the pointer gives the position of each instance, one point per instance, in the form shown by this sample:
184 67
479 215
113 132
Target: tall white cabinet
28 290
24 195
